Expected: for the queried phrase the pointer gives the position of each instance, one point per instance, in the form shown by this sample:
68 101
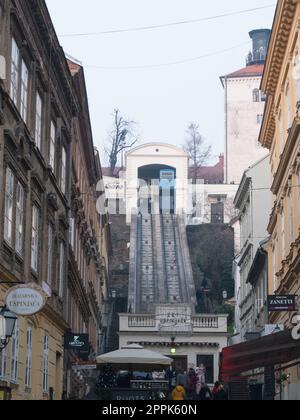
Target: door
180 363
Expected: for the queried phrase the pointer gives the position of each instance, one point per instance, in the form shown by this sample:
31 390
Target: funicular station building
162 300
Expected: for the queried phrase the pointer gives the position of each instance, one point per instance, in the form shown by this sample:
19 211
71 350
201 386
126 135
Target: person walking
182 379
205 393
221 394
215 389
192 385
179 393
170 376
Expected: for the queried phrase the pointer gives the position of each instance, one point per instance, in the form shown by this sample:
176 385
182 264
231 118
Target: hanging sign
282 303
25 300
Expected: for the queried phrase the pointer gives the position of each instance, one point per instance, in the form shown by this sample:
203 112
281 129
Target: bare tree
122 138
199 152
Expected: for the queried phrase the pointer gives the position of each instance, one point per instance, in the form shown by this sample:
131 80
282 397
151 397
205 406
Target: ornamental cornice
283 22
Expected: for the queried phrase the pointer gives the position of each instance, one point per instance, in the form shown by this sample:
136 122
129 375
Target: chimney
260 41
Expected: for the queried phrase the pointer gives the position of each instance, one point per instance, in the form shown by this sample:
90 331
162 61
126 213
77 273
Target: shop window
208 362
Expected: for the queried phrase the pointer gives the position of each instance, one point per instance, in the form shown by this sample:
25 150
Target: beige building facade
280 134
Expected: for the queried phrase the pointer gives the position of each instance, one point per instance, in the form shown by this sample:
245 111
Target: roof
157 147
255 70
210 174
106 171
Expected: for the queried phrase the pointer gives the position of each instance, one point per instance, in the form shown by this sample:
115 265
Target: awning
134 355
272 350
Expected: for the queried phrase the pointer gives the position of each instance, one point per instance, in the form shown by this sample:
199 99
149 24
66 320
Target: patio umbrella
134 355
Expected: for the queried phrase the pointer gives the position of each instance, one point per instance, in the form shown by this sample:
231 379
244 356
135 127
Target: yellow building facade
281 135
31 366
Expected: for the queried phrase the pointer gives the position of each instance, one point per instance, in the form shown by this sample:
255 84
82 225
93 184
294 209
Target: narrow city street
149 203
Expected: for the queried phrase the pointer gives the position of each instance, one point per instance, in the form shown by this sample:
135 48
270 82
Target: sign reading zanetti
286 303
25 300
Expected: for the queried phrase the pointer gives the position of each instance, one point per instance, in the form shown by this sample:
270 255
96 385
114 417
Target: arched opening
163 176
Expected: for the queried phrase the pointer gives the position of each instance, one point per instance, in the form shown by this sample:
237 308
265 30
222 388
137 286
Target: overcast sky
163 100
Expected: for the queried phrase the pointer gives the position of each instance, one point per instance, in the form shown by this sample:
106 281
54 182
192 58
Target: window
46 365
297 78
35 238
259 118
61 269
274 263
52 145
15 353
3 364
9 202
50 254
288 106
208 363
256 95
63 170
28 357
291 200
38 121
24 91
263 97
281 132
72 232
19 219
283 235
14 75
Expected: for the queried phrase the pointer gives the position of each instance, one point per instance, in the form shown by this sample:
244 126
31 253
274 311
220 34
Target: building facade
53 231
37 107
253 202
199 341
244 108
89 240
280 134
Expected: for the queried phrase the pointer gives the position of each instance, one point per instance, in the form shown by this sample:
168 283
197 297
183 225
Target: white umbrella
134 355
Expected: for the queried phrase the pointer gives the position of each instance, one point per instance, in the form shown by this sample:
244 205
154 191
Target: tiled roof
249 71
210 174
106 171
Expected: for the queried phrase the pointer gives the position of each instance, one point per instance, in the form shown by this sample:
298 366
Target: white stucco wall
255 203
243 130
191 352
156 154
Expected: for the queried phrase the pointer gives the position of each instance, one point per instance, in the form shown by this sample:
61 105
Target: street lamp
7 326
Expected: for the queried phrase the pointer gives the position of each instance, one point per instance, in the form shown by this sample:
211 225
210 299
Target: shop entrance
180 363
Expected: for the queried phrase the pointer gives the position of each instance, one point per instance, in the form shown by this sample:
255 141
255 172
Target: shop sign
77 342
25 300
286 303
84 367
174 318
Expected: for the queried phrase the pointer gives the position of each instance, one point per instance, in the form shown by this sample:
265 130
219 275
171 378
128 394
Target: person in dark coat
192 384
205 393
221 394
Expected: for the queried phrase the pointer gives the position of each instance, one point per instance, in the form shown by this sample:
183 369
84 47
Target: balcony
197 324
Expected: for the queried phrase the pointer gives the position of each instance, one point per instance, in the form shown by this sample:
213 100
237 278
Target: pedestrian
215 389
221 394
205 393
182 379
192 385
179 393
170 376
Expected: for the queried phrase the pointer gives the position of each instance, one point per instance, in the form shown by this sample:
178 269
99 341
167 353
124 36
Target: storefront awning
272 350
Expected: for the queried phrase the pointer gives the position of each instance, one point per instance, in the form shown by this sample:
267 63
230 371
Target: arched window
256 95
